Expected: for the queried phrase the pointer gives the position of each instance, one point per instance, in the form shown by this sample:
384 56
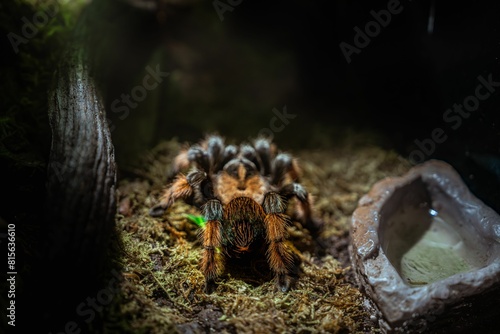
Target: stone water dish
421 244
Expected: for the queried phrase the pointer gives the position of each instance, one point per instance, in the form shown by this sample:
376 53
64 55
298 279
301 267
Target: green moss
163 281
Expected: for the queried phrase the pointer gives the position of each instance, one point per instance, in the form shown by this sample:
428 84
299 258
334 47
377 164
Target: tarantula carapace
243 194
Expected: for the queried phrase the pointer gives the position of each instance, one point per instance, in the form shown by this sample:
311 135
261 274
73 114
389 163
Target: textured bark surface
82 172
80 184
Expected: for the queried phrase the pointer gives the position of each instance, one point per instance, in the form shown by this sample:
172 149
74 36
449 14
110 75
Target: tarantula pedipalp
243 194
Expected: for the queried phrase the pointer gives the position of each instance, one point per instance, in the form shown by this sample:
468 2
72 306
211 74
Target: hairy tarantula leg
283 166
304 211
182 187
249 153
197 155
230 152
215 150
212 262
280 257
263 149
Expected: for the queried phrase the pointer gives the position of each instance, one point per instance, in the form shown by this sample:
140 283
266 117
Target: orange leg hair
212 262
181 188
280 256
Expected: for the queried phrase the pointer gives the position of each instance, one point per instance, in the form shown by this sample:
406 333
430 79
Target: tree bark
81 179
82 172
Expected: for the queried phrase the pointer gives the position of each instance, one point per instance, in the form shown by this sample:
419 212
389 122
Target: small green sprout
197 220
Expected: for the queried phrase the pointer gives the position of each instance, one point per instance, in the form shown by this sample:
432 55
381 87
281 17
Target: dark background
404 80
227 76
265 55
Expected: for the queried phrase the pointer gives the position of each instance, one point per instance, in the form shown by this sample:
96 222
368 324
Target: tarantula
243 194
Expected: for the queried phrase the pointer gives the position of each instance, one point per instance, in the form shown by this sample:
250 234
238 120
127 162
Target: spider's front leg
280 256
212 262
304 211
182 188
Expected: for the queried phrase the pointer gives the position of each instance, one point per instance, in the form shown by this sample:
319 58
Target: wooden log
80 202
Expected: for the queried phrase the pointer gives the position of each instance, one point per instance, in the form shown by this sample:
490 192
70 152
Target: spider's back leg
230 152
199 157
263 149
284 169
215 150
248 152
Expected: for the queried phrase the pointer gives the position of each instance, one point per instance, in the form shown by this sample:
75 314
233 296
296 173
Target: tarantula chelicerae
243 194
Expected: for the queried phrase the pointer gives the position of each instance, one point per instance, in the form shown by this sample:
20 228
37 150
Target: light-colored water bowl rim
381 280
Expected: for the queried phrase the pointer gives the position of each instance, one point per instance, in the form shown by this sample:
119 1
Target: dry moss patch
163 287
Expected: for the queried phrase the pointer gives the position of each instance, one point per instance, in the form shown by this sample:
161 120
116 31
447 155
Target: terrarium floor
163 287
